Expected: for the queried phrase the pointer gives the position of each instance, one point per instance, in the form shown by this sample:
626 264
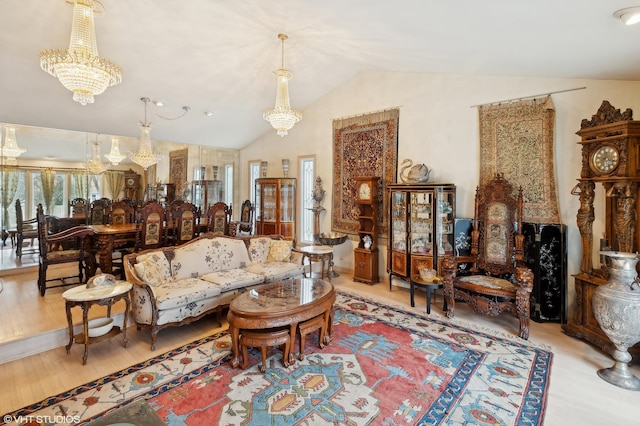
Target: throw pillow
279 251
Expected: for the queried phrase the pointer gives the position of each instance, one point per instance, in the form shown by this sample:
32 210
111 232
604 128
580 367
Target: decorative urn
616 307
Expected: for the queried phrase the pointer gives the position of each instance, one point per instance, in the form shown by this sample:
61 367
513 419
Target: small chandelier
94 165
114 155
11 149
282 117
79 68
144 156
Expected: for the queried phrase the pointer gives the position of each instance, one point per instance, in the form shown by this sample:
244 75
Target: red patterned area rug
385 366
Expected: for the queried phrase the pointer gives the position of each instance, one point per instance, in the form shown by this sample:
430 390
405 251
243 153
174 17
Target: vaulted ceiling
215 55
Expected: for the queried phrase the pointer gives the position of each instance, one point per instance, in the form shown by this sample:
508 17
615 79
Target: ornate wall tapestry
178 168
365 145
517 139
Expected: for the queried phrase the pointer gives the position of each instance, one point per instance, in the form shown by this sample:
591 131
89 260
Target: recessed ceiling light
158 103
629 15
208 113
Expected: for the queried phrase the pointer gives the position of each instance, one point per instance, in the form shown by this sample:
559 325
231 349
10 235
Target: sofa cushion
231 253
194 259
233 279
182 292
280 251
259 249
276 271
153 268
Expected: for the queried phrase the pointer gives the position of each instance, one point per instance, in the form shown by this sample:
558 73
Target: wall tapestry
365 145
178 169
516 139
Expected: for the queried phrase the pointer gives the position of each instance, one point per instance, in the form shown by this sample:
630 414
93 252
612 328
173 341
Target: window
254 173
307 181
228 184
59 197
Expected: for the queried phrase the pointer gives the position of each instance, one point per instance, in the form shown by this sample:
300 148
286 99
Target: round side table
102 296
318 253
429 286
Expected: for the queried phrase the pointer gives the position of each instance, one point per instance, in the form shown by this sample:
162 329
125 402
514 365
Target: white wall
439 127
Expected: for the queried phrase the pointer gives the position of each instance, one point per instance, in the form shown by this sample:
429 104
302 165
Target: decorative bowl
100 326
331 238
427 274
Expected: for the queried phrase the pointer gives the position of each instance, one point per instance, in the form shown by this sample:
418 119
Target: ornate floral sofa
178 285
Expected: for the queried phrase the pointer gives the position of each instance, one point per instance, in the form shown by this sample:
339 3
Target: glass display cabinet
421 228
275 205
206 193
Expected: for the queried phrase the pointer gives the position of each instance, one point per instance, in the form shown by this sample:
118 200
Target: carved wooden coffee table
284 303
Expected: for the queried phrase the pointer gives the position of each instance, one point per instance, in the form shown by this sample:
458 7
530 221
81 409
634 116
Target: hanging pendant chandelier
114 155
10 149
282 117
79 68
94 165
144 156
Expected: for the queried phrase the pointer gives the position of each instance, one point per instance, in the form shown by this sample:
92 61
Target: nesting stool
264 339
309 326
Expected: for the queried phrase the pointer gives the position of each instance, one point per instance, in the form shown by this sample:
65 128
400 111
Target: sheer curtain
115 182
10 185
47 177
80 185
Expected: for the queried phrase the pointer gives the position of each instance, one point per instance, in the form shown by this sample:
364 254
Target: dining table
110 237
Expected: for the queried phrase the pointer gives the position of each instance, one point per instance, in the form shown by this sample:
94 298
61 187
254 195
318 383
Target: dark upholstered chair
69 246
499 281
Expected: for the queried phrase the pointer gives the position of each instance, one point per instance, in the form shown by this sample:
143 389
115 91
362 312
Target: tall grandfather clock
611 158
365 268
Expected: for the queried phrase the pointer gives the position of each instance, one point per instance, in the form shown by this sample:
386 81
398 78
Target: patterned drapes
10 186
47 177
115 183
516 139
80 183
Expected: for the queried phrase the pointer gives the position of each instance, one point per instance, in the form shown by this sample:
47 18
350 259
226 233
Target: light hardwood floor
577 396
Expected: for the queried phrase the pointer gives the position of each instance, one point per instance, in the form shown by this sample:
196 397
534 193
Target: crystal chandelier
11 149
114 155
79 68
282 117
94 165
144 156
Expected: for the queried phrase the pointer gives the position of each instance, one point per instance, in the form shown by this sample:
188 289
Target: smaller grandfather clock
131 185
366 255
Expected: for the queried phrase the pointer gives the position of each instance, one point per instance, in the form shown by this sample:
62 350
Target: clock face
130 181
605 159
364 191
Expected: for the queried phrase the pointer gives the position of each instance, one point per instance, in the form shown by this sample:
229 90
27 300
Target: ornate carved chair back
151 226
121 213
78 208
100 211
218 218
185 222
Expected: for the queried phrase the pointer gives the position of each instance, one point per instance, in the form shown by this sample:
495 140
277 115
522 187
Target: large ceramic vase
616 306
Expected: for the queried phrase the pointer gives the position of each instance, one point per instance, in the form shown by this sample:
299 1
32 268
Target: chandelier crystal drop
282 117
144 156
94 165
114 155
11 149
79 68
